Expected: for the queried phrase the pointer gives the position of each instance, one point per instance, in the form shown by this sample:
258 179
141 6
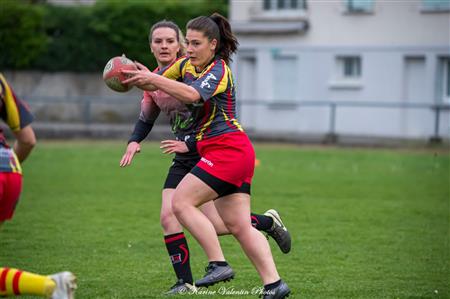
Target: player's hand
139 77
173 146
132 149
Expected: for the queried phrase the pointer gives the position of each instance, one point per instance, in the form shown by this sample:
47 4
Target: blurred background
373 72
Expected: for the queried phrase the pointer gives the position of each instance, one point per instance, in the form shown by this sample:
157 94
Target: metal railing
86 103
335 105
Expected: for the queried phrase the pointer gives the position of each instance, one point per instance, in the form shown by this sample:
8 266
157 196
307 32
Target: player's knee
237 229
167 219
178 206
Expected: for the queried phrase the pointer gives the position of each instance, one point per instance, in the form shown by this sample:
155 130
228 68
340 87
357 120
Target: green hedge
84 38
22 34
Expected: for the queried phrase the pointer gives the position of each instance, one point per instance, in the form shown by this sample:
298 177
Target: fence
89 110
334 106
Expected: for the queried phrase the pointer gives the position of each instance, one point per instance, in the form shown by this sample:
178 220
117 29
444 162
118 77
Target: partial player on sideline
18 117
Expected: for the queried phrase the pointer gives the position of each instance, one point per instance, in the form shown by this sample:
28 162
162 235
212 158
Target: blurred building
375 68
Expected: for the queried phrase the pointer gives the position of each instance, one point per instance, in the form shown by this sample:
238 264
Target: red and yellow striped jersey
16 114
216 113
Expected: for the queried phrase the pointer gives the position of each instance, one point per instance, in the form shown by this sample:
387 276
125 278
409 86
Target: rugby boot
281 291
278 231
215 274
180 287
66 283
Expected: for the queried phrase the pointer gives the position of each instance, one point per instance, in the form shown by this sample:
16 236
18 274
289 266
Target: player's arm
18 117
147 117
214 81
178 90
165 81
25 142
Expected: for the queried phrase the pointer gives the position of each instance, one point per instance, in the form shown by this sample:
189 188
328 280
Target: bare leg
190 194
234 210
169 221
209 209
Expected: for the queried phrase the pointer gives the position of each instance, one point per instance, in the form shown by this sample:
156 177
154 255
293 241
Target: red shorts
10 188
229 157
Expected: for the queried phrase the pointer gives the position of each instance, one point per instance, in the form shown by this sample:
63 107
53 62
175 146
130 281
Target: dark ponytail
216 27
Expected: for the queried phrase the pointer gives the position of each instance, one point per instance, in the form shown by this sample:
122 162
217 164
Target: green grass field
365 223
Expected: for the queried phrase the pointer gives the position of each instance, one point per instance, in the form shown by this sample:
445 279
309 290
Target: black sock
221 263
178 250
261 222
272 285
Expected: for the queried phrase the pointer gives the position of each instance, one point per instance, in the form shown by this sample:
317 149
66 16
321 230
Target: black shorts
221 187
181 167
178 170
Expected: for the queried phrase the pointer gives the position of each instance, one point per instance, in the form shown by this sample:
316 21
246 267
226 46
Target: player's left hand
173 146
132 149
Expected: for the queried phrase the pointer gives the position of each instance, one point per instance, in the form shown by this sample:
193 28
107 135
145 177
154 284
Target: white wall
392 23
395 33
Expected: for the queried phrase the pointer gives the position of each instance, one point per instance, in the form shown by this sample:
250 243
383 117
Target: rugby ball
113 76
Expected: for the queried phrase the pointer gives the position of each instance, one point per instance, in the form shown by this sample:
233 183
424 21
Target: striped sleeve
174 70
213 81
14 112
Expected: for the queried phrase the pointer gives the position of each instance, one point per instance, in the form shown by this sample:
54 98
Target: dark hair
171 25
216 27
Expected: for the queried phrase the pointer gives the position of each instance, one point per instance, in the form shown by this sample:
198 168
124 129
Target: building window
347 73
359 6
284 5
349 67
436 5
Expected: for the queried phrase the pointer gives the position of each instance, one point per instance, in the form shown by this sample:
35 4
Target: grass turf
365 223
